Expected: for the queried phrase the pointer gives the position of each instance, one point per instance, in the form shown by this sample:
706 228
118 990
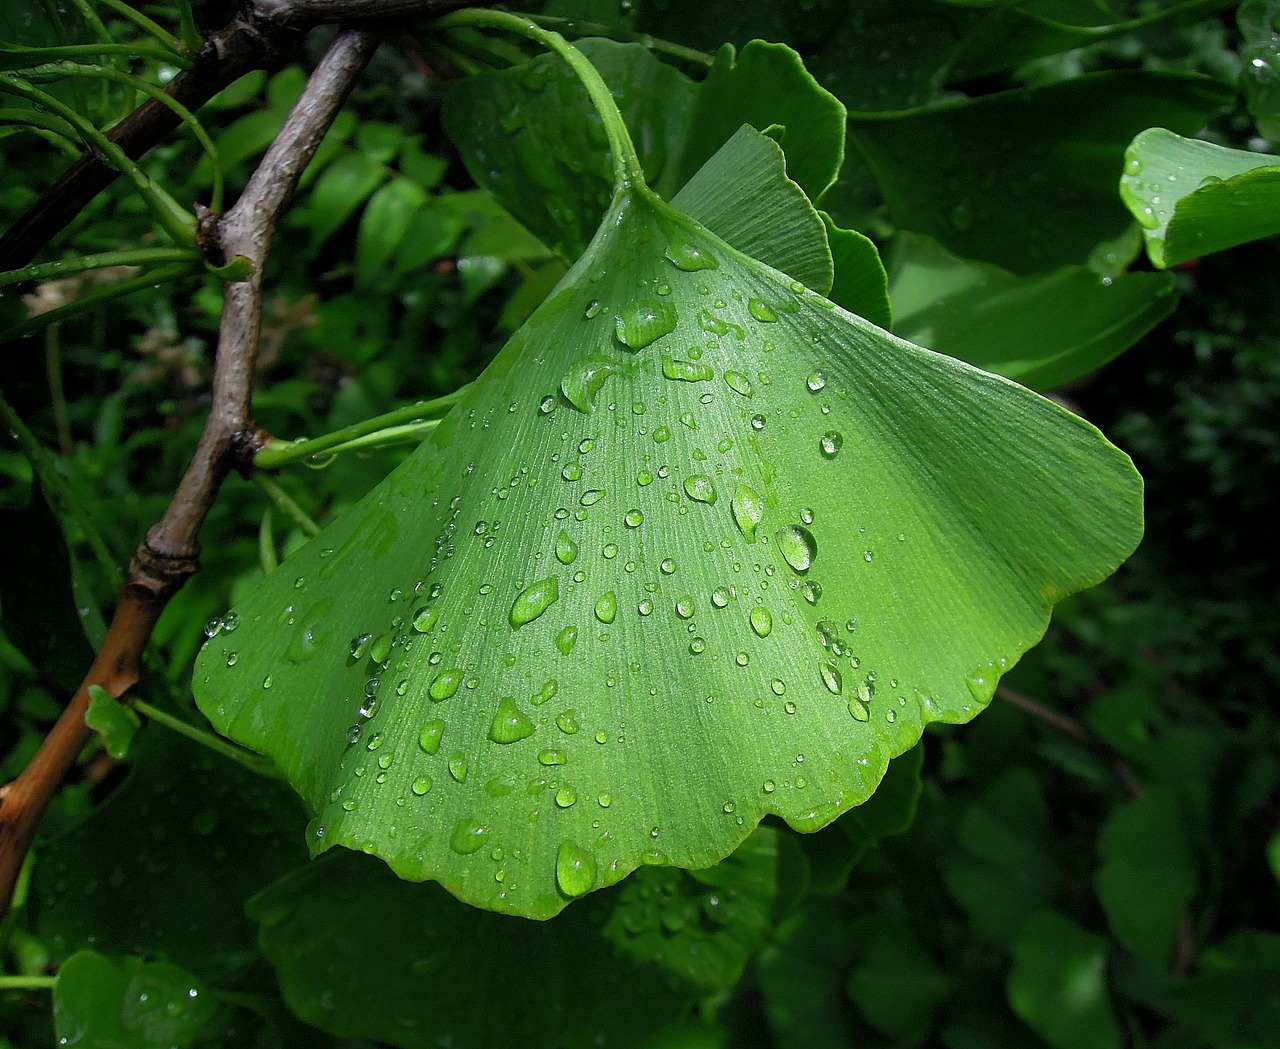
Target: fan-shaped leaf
698 547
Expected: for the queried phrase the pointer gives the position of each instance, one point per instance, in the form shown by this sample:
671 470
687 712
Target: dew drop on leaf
797 545
575 870
582 382
644 322
700 489
468 836
607 607
565 797
688 257
551 757
761 621
566 548
510 723
761 311
686 371
421 785
565 640
816 381
534 600
445 684
829 444
748 509
458 768
424 619
831 677
738 383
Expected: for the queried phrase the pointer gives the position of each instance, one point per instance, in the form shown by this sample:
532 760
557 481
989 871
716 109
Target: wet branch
169 554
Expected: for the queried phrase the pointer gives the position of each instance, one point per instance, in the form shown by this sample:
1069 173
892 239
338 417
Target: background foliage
1092 863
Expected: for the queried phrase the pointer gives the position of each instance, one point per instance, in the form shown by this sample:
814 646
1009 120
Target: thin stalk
70 267
282 501
281 453
92 20
27 983
577 28
142 22
177 222
627 172
73 69
70 52
409 433
267 556
253 762
57 394
191 37
113 291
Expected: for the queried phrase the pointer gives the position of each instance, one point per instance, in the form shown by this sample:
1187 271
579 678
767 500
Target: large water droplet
739 383
575 870
607 607
761 311
582 382
644 322
424 619
565 639
816 381
688 257
534 600
831 677
566 548
748 509
429 737
797 545
761 621
458 768
510 723
445 684
686 371
468 836
700 489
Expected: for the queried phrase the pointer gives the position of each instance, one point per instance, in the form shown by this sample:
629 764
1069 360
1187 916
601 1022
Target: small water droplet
421 785
761 621
816 381
739 383
686 371
566 797
458 768
424 619
582 382
551 757
607 607
360 645
720 596
565 639
700 489
830 443
634 518
689 257
761 311
748 510
684 607
697 646
534 600
445 684
566 548
567 722
831 677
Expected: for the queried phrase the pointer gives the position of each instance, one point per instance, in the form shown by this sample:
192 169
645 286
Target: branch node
157 573
245 444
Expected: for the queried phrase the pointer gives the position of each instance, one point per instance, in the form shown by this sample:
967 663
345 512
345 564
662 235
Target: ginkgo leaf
698 547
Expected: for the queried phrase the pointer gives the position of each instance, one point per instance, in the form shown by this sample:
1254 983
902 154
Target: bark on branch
169 553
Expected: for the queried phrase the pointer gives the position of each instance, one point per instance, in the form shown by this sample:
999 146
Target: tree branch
169 553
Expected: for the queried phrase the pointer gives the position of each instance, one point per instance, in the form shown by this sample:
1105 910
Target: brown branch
169 553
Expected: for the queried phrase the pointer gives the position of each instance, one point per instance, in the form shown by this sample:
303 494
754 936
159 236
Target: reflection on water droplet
699 488
816 381
575 870
684 607
797 546
535 599
720 596
829 444
644 322
634 518
510 723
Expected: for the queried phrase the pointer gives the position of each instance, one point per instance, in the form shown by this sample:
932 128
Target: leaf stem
70 267
627 172
282 501
41 55
27 983
267 556
253 762
577 28
143 22
281 453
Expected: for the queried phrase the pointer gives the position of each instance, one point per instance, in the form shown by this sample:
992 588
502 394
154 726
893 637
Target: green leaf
343 187
743 195
768 84
1259 22
127 1003
1194 198
384 225
781 540
1025 179
860 284
898 985
1040 330
1148 874
1058 984
183 818
412 951
111 720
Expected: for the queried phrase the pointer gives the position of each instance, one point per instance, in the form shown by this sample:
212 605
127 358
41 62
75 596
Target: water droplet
458 768
534 600
572 472
769 786
567 722
1132 164
445 684
831 677
591 497
797 545
858 711
565 639
581 383
424 619
697 646
380 649
829 444
761 621
593 309
634 518
510 723
688 257
604 799
779 686
816 381
757 422
761 311
547 405
566 548
468 836
360 646
667 566
421 785
700 489
575 870
811 591
748 509
686 371
720 596
684 607
739 383
565 797
643 323
552 757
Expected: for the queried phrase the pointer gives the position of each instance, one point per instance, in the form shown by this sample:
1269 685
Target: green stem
191 37
282 501
409 433
27 983
627 172
113 291
267 556
282 453
177 222
42 55
57 393
577 28
73 69
253 762
92 20
142 22
70 267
